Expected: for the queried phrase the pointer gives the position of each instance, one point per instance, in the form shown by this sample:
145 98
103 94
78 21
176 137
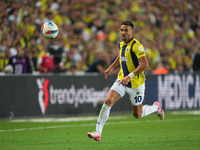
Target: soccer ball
49 30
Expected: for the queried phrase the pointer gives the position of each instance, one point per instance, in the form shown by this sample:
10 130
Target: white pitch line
71 119
93 124
193 112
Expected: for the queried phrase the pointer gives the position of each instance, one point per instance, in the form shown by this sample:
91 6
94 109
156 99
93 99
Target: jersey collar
128 41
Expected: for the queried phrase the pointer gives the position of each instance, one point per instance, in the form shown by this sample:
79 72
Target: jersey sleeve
138 49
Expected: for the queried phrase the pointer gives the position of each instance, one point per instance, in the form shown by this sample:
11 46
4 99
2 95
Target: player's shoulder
120 43
137 45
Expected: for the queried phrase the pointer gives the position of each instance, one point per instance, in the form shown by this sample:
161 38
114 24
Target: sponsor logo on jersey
142 53
124 58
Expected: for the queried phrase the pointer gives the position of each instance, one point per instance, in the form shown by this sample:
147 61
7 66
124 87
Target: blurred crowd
89 34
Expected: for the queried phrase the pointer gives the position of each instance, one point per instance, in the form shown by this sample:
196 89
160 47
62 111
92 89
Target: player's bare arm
111 67
142 66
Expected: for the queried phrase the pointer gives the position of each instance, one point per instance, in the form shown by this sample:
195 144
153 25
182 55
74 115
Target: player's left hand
107 73
125 81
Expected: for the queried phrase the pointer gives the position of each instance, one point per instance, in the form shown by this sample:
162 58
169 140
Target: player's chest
125 50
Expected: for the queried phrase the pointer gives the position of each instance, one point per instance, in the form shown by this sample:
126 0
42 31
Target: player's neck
128 40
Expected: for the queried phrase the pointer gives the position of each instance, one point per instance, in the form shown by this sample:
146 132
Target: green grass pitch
121 132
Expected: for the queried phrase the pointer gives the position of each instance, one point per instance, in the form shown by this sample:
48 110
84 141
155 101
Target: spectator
20 62
160 69
100 64
32 54
179 68
165 25
4 59
195 64
51 61
68 61
45 63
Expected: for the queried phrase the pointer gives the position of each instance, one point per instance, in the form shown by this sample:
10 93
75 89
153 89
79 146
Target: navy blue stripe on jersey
124 66
133 56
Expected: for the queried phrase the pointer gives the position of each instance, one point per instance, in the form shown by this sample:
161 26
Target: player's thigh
118 88
136 95
112 97
116 92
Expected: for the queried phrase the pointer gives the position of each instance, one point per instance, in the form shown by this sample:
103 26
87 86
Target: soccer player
131 79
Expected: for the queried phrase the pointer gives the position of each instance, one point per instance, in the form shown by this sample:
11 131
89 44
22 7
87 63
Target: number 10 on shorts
138 99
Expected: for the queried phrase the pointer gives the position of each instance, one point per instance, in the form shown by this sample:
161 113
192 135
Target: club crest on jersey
127 49
140 48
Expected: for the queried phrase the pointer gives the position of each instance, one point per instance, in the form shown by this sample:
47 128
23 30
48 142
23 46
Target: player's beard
124 37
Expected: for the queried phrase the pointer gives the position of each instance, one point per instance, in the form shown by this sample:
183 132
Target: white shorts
136 94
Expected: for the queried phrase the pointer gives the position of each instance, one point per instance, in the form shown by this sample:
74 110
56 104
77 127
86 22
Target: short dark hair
128 23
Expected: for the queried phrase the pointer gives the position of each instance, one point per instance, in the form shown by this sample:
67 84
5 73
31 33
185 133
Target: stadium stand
169 30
